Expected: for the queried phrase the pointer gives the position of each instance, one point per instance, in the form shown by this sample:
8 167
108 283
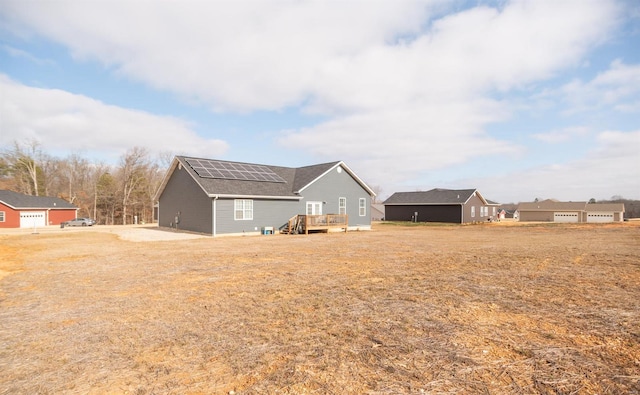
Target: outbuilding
18 210
551 210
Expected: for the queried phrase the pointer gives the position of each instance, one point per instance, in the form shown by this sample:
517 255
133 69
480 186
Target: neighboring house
25 211
554 211
440 205
221 198
377 212
507 214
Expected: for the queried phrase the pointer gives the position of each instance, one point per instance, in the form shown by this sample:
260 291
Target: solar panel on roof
207 168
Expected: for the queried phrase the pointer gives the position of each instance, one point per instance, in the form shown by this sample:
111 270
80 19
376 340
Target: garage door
565 217
32 219
599 217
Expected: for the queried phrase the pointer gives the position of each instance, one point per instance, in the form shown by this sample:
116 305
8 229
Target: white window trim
342 208
3 216
362 207
246 209
473 211
314 203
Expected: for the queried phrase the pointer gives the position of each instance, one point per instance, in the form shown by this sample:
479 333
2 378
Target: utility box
267 230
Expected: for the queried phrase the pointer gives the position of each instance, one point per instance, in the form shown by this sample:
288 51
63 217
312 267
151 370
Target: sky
519 99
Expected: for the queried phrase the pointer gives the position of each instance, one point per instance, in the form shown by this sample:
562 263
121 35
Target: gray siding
273 213
184 196
333 186
474 201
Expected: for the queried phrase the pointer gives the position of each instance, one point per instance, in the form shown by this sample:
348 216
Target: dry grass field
494 309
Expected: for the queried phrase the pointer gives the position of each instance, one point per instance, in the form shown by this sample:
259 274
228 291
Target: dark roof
18 200
306 175
434 196
296 179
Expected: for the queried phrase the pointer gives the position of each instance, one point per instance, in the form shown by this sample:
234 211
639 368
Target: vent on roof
207 168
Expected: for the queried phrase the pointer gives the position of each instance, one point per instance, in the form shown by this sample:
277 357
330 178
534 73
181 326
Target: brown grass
458 309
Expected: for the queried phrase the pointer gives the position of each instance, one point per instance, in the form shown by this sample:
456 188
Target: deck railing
305 223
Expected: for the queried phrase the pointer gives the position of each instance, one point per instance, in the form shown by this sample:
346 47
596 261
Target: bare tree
48 174
377 189
131 174
106 191
22 162
76 173
164 159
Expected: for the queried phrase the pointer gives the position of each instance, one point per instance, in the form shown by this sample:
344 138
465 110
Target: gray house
440 205
225 198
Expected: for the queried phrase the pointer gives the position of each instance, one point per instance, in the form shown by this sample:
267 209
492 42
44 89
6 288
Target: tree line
110 194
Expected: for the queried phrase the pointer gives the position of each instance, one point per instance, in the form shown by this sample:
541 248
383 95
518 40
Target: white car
80 222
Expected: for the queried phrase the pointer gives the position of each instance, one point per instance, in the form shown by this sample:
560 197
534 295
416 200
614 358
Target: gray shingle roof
615 207
18 200
552 205
434 196
295 180
307 174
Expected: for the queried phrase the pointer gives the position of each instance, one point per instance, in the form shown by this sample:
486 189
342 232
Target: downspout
215 219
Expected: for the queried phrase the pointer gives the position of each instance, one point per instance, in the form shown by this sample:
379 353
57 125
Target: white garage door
565 217
599 217
30 219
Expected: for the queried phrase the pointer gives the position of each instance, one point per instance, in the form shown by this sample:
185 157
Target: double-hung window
342 205
243 209
473 211
1 216
362 207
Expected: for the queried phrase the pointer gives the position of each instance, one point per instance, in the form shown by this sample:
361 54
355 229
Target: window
243 209
494 211
314 208
363 207
473 211
342 205
1 216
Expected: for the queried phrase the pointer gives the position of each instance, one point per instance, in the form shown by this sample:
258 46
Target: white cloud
407 86
269 55
617 88
397 144
61 121
612 169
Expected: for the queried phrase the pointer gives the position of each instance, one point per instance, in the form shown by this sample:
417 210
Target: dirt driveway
451 309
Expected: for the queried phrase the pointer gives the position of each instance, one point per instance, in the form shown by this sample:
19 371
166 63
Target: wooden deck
307 223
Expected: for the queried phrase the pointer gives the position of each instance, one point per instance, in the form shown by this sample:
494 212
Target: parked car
80 222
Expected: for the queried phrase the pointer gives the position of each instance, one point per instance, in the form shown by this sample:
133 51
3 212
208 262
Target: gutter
215 216
217 196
